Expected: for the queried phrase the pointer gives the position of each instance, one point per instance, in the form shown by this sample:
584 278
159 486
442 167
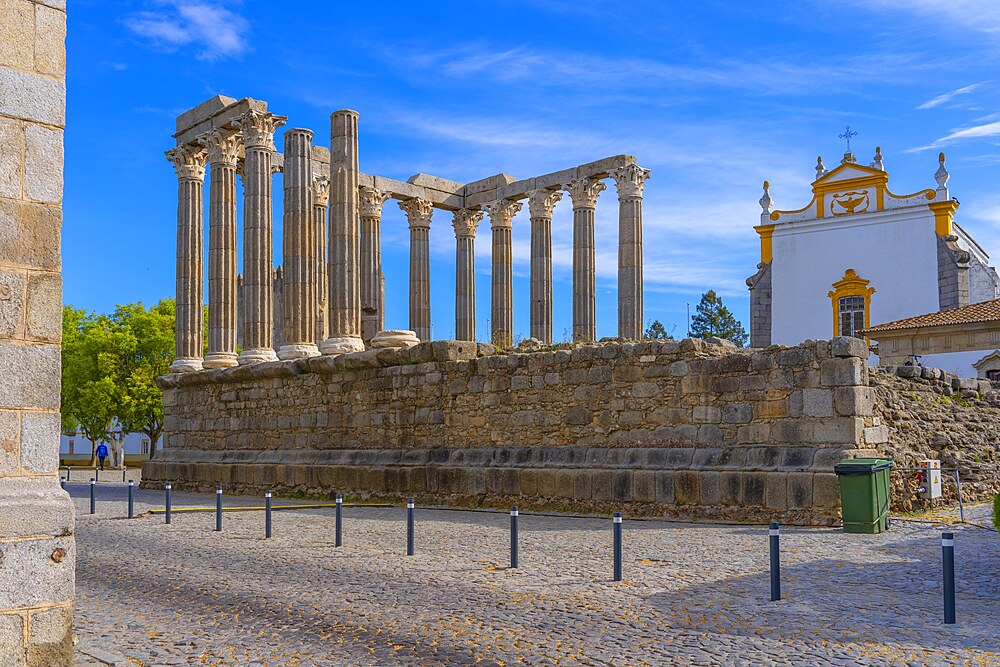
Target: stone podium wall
682 428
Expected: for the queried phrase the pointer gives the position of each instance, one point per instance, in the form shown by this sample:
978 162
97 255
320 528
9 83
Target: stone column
502 212
189 334
465 222
258 236
298 295
344 269
418 214
372 307
223 146
321 197
630 180
541 204
584 193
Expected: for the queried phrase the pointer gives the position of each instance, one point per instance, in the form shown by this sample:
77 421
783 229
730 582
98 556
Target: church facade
858 254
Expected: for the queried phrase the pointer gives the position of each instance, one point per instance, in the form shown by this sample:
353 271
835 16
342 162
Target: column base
297 351
185 365
395 338
341 345
256 355
219 360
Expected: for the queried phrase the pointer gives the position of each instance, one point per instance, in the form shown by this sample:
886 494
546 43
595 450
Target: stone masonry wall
684 428
36 516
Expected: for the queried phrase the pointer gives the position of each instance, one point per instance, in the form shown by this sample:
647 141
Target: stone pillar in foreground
372 307
189 334
321 197
584 193
223 147
258 236
541 203
298 250
344 262
418 214
630 180
465 222
502 212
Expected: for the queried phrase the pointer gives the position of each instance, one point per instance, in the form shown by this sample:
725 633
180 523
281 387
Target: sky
714 97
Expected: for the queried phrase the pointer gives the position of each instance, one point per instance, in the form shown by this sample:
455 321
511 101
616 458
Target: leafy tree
90 396
714 319
656 331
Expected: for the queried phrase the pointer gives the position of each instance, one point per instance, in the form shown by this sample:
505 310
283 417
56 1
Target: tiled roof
984 311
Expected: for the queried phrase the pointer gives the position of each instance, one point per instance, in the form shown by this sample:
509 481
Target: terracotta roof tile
984 311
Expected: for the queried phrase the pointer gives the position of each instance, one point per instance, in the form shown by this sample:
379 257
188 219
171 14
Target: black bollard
67 473
339 537
93 501
62 483
267 514
948 561
123 473
131 499
617 522
513 536
218 508
775 562
97 474
166 515
409 527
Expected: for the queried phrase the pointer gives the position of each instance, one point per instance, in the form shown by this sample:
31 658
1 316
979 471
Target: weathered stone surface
44 308
12 640
30 234
32 97
43 164
31 375
50 642
40 442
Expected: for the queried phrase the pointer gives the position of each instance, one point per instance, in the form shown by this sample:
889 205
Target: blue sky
713 96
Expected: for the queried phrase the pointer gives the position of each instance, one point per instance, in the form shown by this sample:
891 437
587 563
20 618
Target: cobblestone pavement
694 594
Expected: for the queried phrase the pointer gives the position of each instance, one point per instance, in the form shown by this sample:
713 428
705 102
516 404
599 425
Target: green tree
90 398
656 331
714 319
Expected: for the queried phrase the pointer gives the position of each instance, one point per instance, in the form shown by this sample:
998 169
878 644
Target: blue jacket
102 450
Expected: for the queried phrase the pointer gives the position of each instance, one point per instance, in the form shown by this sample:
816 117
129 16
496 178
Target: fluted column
372 307
189 163
630 180
540 205
223 148
298 254
418 214
502 212
344 260
321 197
465 222
584 193
258 234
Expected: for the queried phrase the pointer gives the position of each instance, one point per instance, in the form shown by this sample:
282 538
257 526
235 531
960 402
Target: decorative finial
820 169
941 175
847 134
877 163
766 203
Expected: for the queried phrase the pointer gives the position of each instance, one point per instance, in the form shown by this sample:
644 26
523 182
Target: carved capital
223 146
584 191
466 221
258 128
418 212
189 162
541 203
371 201
502 212
630 180
321 190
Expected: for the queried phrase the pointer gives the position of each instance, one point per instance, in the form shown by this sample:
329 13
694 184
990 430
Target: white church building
858 255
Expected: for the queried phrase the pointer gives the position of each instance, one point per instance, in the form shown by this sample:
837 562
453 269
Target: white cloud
216 31
946 97
974 132
979 15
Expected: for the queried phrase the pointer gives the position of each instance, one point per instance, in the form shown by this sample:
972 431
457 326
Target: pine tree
714 319
656 331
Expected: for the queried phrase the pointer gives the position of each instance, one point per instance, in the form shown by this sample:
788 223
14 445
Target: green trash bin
864 494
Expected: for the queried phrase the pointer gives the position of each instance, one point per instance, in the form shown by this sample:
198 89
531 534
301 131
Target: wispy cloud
974 132
947 97
979 15
215 30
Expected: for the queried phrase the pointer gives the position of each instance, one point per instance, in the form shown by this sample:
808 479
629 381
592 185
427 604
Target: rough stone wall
36 516
682 428
760 306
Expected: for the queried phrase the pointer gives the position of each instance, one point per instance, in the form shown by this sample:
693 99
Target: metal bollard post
513 536
339 537
123 473
131 499
62 483
93 502
948 561
167 501
617 520
218 508
67 473
409 527
961 506
267 514
775 563
97 474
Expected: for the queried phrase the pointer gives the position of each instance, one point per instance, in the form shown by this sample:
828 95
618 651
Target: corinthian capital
502 212
630 179
223 146
371 201
189 162
321 190
541 203
258 128
584 191
418 212
466 221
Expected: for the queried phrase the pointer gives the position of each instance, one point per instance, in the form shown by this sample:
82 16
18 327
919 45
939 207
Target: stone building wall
684 428
36 517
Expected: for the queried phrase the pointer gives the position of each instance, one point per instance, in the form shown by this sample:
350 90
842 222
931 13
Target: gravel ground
694 594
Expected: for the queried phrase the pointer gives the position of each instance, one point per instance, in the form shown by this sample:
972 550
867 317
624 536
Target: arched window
851 297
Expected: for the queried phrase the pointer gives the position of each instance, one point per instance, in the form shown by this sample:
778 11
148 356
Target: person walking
102 453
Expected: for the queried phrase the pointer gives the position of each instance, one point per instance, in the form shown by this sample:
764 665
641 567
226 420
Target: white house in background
858 255
77 444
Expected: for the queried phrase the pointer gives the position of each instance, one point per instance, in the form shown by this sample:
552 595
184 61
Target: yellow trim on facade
766 247
850 285
943 212
776 214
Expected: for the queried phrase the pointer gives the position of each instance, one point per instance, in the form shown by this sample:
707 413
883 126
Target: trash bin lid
860 467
